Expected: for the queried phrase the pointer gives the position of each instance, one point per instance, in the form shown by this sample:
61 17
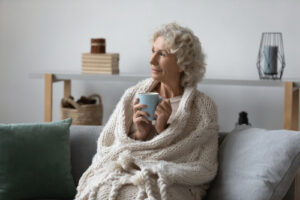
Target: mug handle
160 98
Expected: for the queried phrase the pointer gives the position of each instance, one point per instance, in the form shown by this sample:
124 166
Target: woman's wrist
138 136
161 129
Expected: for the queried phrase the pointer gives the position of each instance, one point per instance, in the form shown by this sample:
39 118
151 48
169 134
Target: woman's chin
155 77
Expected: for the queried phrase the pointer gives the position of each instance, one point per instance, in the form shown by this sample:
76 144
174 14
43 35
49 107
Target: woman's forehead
159 44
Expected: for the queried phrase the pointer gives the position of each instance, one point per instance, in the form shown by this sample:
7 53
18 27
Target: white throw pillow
256 164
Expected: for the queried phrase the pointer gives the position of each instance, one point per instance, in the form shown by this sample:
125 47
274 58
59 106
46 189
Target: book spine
101 72
83 61
100 65
100 68
84 55
100 59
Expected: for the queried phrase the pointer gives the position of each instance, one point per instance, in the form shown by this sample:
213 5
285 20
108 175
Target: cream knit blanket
176 164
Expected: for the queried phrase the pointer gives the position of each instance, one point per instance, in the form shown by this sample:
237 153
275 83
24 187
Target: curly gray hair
182 42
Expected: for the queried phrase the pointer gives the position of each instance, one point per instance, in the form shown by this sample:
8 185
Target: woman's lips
155 70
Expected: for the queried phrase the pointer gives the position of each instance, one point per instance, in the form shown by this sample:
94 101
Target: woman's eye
162 54
159 53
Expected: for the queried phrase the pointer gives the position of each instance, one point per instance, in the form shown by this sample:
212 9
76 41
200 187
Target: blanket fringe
162 187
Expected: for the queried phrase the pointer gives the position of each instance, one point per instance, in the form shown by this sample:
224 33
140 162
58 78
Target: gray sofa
83 141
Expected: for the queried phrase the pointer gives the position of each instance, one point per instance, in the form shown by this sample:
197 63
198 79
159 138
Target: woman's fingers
159 110
136 101
164 106
141 116
156 113
167 105
141 119
138 107
142 113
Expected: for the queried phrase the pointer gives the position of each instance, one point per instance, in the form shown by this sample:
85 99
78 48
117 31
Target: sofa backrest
83 142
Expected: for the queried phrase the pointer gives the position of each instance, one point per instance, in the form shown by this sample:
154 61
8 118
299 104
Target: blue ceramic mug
151 100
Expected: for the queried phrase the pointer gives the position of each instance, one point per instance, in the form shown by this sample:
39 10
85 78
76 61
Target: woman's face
163 65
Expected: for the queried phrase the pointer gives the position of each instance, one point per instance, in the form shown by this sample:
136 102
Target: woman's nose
153 59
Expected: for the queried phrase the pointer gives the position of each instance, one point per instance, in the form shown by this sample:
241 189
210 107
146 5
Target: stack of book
102 63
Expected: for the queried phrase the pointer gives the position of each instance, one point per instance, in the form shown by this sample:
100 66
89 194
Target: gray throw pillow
256 164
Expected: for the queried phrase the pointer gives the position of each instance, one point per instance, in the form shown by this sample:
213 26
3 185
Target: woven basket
88 114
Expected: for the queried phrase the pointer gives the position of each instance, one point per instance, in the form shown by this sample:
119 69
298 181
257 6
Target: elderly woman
176 156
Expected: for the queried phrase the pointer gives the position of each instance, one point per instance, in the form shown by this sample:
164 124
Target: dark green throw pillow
35 161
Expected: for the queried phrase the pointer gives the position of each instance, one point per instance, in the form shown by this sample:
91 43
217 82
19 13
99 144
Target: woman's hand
162 115
142 124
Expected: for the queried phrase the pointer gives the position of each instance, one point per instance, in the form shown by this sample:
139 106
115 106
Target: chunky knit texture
181 160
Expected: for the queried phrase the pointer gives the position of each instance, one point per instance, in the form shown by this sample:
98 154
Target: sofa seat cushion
35 161
256 164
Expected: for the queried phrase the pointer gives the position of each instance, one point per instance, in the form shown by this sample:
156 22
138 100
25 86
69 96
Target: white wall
50 35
